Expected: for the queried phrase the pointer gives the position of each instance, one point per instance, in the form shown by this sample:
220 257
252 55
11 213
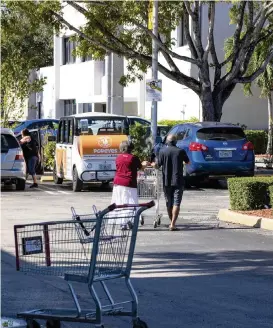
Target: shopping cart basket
84 251
149 186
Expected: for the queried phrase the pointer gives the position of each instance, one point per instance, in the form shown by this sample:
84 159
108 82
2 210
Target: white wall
47 95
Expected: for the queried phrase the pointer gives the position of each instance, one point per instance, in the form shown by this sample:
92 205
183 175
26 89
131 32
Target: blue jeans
31 165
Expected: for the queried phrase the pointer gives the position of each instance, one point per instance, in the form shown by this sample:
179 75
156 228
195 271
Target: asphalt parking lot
205 275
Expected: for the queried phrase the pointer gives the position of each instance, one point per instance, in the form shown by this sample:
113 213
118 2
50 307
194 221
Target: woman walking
125 181
31 155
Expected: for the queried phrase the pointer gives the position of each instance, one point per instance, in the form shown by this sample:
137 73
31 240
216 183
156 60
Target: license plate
225 153
105 166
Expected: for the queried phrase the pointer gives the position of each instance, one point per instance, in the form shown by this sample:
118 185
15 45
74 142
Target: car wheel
56 179
20 184
77 183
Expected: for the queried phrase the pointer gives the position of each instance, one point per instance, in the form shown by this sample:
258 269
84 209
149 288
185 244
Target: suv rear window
220 134
8 142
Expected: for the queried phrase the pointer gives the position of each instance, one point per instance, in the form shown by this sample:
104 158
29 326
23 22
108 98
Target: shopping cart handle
115 206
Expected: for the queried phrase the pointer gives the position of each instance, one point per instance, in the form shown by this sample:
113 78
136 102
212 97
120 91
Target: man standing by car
31 155
171 159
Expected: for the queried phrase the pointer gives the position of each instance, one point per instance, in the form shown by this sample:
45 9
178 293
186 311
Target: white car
13 167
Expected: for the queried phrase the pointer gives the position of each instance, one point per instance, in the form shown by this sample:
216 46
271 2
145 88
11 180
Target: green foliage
270 190
138 134
248 193
49 154
172 123
259 140
26 45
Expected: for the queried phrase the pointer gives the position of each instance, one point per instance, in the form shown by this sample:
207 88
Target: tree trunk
270 124
207 104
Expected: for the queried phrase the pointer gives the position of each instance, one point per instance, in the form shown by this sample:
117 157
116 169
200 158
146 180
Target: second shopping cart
149 186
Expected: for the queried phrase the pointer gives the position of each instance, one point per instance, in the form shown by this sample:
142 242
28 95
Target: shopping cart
84 251
149 186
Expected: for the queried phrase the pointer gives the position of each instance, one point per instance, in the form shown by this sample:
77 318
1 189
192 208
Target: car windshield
220 133
8 142
102 126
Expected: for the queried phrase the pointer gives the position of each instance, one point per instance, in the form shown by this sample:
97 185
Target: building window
104 108
70 107
181 35
86 58
85 108
69 46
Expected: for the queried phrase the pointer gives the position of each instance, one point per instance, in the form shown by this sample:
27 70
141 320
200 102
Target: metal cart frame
104 251
150 187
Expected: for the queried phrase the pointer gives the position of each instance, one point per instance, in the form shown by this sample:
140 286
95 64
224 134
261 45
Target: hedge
172 123
259 140
249 193
270 190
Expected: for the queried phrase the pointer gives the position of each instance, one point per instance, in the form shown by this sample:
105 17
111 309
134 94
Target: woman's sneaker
34 185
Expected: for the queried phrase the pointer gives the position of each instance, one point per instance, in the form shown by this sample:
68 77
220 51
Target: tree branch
237 33
211 18
129 54
188 36
196 30
163 47
169 60
188 8
252 77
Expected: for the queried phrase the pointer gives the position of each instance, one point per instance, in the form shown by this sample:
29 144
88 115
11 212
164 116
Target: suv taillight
196 146
248 146
19 157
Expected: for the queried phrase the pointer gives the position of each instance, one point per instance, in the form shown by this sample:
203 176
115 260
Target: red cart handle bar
148 205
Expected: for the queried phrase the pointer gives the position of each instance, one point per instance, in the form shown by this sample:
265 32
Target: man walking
171 159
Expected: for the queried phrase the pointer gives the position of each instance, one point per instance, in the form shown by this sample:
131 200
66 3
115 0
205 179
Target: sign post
154 69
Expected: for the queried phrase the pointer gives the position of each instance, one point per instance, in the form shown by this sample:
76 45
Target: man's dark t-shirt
171 159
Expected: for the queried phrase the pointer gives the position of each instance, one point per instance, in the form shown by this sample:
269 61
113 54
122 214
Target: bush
49 154
248 193
270 190
259 140
172 123
138 135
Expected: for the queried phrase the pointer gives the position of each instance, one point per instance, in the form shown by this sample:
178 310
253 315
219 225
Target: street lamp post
154 68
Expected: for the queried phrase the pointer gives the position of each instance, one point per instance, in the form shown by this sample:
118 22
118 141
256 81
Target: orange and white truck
87 146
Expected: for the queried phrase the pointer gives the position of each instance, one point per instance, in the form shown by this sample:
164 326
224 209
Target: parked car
162 130
47 123
214 149
13 168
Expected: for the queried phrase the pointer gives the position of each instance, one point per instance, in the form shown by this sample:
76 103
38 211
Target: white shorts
123 195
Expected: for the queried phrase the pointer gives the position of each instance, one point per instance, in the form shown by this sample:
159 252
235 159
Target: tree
264 82
121 27
25 46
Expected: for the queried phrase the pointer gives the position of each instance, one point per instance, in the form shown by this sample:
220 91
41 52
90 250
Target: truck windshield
102 126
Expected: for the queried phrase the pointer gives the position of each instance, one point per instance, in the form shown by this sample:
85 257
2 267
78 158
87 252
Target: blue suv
214 149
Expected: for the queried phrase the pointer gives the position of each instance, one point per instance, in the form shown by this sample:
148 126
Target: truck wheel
77 183
56 179
20 184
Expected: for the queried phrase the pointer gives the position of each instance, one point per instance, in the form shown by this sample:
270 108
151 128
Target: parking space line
50 192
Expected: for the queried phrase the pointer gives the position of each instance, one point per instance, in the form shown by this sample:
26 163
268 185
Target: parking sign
153 90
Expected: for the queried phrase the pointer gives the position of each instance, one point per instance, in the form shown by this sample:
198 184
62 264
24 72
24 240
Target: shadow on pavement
221 289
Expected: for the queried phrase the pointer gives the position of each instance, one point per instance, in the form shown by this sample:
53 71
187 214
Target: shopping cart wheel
139 324
142 220
32 324
53 324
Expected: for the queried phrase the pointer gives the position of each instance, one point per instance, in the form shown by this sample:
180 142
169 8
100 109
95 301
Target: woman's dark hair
126 147
25 133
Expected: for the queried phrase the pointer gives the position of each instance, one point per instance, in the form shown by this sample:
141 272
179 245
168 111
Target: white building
76 85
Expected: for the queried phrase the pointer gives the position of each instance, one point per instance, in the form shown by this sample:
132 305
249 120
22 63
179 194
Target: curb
46 178
244 219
